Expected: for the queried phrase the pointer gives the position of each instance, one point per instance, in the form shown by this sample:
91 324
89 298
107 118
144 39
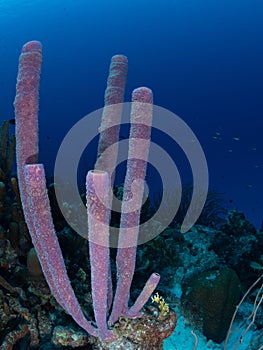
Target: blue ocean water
202 59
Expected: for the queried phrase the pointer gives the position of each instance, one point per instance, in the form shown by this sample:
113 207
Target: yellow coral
162 305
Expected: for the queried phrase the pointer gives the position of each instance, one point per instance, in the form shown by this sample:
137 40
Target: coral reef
214 262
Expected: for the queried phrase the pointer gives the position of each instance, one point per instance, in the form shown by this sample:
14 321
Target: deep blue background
203 60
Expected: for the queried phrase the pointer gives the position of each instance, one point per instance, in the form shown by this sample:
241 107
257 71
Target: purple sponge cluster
36 206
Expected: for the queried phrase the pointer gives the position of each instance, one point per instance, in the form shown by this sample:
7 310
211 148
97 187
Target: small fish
256 265
217 136
12 121
236 138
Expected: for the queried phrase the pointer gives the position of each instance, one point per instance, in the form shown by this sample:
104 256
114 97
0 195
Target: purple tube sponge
110 125
98 186
139 143
26 112
144 296
45 237
111 116
31 179
26 105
